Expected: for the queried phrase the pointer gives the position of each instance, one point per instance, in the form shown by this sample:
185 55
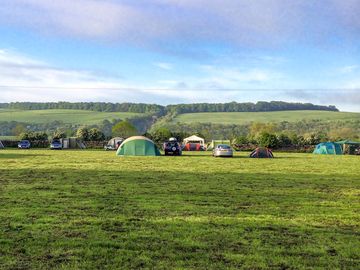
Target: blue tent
328 148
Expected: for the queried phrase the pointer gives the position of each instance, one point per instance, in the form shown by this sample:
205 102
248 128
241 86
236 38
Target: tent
138 146
349 146
72 143
114 143
214 143
260 152
194 143
1 145
328 148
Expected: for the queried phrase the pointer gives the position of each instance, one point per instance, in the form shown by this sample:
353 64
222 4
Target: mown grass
247 117
93 210
66 116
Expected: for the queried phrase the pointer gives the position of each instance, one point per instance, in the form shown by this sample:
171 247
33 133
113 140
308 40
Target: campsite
97 210
179 135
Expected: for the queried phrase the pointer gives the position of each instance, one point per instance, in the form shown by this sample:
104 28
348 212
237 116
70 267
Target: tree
96 135
83 133
18 129
268 140
240 140
58 134
33 136
257 128
161 134
315 138
124 129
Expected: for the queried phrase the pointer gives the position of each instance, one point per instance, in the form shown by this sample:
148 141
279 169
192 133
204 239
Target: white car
223 150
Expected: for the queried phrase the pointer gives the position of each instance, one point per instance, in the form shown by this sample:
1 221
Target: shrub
268 140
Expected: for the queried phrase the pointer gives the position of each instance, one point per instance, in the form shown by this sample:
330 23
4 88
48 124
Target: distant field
93 210
66 116
8 138
246 117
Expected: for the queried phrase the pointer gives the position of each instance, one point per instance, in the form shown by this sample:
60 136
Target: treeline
91 106
260 106
329 130
159 110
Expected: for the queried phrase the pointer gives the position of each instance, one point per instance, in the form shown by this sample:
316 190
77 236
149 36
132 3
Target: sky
181 51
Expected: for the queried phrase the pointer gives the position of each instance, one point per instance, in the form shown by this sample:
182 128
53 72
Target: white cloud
27 79
163 65
260 22
348 69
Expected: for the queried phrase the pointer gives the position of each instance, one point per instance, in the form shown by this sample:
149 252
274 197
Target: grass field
93 210
246 117
66 116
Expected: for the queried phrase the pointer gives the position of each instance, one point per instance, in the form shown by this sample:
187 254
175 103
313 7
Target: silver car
223 150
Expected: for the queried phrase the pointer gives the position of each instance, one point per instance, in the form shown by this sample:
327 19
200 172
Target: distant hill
83 117
241 118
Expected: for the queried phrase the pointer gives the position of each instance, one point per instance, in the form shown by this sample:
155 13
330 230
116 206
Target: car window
224 146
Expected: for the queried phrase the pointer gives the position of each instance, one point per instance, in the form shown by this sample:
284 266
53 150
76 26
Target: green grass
93 210
10 138
246 117
66 116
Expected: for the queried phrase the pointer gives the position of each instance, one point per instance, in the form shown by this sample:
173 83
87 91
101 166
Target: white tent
1 145
194 139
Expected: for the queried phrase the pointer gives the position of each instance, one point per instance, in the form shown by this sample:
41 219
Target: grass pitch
93 210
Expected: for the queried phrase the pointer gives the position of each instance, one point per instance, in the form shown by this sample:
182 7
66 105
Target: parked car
113 146
56 144
172 148
222 150
24 144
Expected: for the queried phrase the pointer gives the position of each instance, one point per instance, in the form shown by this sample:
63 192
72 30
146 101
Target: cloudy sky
175 51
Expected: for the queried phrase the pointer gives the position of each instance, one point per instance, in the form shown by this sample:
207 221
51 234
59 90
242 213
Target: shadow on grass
16 156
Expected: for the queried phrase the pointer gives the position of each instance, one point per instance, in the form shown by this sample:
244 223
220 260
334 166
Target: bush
241 140
268 140
83 134
284 140
96 134
33 136
58 134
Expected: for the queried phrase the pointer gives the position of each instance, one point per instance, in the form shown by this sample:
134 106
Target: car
56 144
24 144
172 148
222 150
113 146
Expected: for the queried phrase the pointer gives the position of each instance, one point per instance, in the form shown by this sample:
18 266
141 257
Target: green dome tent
138 146
328 148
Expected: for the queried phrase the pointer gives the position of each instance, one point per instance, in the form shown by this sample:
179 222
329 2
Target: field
246 117
93 210
66 116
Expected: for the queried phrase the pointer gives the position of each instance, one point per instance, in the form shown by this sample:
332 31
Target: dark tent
349 147
261 153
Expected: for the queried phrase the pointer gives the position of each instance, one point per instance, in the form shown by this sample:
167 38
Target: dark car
56 144
24 144
172 148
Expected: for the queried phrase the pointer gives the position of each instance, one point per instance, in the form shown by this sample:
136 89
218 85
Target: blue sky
179 51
